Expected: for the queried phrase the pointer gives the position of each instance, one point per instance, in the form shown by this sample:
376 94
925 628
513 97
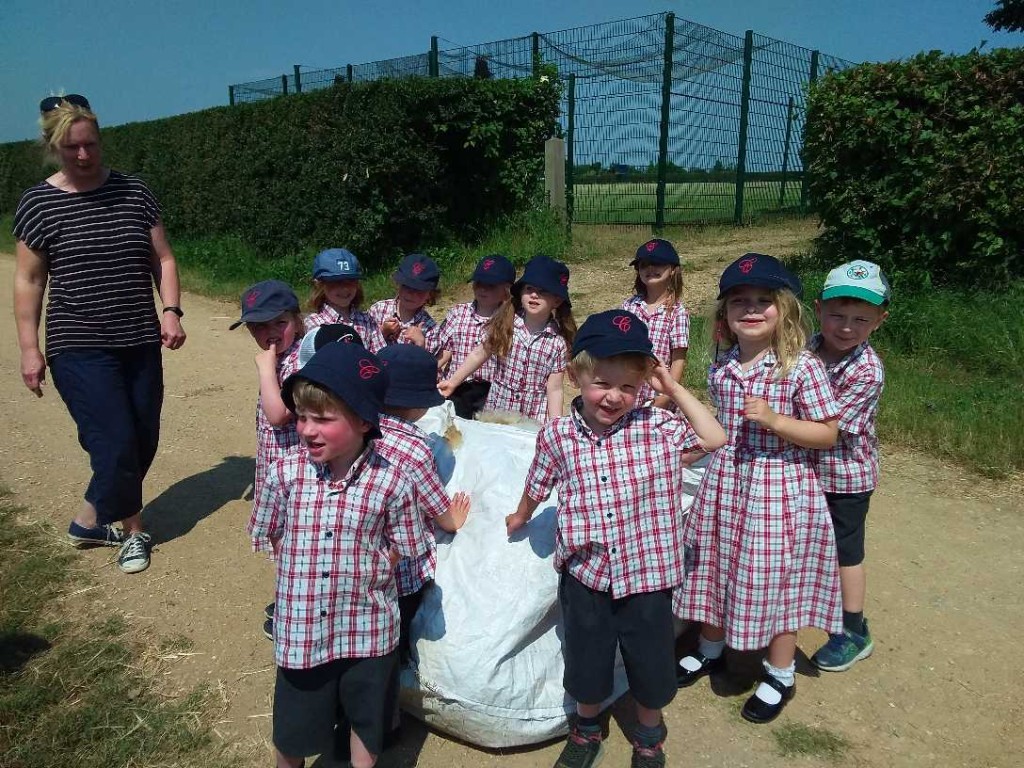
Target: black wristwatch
175 310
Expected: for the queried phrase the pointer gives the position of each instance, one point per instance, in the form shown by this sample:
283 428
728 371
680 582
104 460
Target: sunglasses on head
50 103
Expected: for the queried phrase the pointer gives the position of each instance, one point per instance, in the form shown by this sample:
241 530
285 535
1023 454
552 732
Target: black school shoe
685 678
759 711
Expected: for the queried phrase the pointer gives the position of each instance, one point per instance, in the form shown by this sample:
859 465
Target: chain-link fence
665 120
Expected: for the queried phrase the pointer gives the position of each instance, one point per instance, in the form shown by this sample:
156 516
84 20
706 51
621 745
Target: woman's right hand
33 370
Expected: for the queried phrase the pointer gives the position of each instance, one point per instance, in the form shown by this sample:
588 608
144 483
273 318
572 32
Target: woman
96 237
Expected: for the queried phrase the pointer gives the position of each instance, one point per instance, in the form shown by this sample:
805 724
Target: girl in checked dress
761 560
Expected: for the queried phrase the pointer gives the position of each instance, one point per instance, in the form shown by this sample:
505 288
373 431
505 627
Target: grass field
635 202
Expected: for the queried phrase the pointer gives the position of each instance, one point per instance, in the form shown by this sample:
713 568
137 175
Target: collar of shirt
731 361
847 360
399 425
519 324
323 471
576 412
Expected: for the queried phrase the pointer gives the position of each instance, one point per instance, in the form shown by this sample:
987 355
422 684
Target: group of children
349 517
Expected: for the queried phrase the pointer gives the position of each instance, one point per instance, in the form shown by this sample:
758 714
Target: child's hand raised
757 410
660 379
389 328
446 388
414 335
266 359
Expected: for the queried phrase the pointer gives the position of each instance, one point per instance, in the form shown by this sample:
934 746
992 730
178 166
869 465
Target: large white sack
487 659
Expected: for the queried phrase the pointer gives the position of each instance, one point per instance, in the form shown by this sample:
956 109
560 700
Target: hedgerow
919 165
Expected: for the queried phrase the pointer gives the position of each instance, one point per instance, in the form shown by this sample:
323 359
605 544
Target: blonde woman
95 236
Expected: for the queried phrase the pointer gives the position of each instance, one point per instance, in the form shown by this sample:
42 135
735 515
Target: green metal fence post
666 99
298 78
535 54
284 84
741 155
570 159
231 95
785 153
432 66
813 75
348 72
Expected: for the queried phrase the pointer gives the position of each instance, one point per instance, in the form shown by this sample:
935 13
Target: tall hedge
919 165
378 167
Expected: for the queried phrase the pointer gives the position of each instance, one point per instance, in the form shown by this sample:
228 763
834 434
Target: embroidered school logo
250 299
367 370
651 246
746 265
417 267
622 322
564 279
857 272
488 263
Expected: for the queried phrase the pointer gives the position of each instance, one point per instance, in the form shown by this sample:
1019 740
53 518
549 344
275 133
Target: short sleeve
543 472
404 527
812 397
268 511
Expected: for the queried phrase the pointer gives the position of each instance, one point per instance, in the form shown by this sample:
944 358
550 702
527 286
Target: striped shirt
99 256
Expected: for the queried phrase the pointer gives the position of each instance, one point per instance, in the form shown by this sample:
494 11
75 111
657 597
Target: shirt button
326 574
613 550
604 478
328 535
609 515
323 613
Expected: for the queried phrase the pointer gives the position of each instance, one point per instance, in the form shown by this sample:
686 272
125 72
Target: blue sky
138 60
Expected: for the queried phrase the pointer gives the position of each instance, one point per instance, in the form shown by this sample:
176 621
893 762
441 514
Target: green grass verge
80 695
793 739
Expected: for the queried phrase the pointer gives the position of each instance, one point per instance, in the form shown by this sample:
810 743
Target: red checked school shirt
405 446
462 331
521 379
851 465
619 495
669 329
336 594
365 325
386 309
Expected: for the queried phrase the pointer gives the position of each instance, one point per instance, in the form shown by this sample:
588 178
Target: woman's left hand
172 335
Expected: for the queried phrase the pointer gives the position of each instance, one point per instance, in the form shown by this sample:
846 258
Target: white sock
711 649
786 676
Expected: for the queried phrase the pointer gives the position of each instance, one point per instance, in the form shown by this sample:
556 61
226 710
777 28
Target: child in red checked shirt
618 472
411 391
333 513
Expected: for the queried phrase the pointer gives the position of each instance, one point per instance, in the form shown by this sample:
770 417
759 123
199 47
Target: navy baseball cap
656 251
760 270
336 264
614 332
412 377
547 274
265 301
352 374
494 270
325 334
418 272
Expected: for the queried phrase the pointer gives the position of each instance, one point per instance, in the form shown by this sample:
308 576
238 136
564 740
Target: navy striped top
99 257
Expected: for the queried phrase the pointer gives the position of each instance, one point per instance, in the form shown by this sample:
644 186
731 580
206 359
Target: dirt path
944 595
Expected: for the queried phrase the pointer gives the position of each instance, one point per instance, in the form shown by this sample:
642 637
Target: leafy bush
378 167
917 165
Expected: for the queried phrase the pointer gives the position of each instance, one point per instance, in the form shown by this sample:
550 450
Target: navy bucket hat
656 251
336 264
760 270
614 332
412 377
266 300
418 272
494 270
547 274
352 374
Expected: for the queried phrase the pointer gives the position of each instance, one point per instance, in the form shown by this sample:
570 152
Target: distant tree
481 70
1008 15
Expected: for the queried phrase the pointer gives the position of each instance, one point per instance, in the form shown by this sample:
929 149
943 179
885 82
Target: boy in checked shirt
618 472
333 511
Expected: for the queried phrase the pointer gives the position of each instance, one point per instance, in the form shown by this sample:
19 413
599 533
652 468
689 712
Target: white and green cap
858 280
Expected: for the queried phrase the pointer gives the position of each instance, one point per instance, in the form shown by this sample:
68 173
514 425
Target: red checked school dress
669 329
274 442
759 529
405 446
365 325
521 379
